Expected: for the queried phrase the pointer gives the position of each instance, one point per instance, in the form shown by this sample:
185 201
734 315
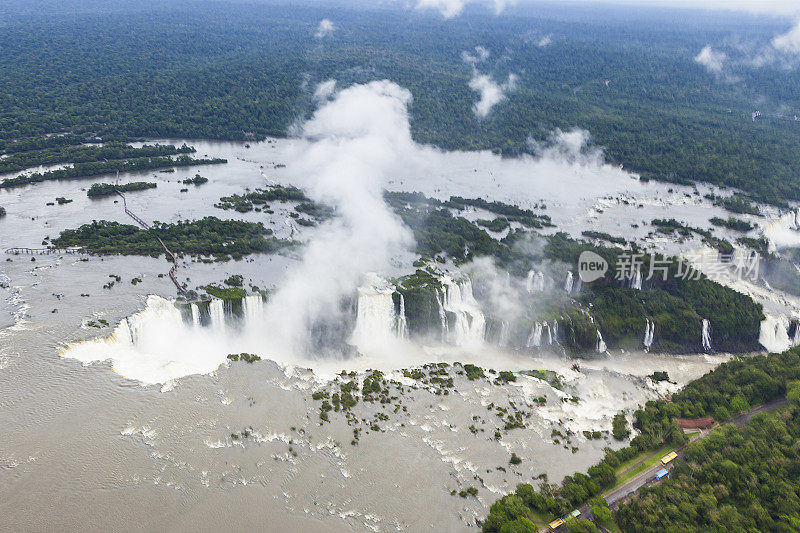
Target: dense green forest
208 236
721 486
189 69
97 168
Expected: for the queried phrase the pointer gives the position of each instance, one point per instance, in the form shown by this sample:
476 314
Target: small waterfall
195 315
636 280
796 337
568 283
534 282
649 334
443 318
216 311
402 325
469 326
555 331
549 334
252 306
578 285
706 335
376 322
601 345
502 340
535 336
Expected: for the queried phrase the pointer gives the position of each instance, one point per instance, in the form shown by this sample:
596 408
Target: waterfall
706 335
774 334
649 334
402 325
555 331
251 307
504 333
535 337
534 282
601 345
216 311
195 315
159 314
636 280
796 337
578 285
376 322
568 283
469 322
549 334
443 318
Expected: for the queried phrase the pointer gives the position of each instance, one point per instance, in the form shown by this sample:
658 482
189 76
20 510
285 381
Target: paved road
632 485
645 477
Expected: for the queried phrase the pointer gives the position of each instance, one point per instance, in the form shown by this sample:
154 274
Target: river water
87 448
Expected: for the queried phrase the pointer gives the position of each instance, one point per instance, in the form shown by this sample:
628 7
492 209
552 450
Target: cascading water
568 282
601 345
442 318
549 334
555 331
252 307
195 315
535 281
706 335
469 324
216 311
502 340
774 334
649 334
402 324
376 322
535 336
636 280
796 337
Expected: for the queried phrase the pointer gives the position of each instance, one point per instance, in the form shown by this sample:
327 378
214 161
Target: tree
619 427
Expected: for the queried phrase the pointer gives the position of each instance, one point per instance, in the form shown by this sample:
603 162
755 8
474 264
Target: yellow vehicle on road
668 458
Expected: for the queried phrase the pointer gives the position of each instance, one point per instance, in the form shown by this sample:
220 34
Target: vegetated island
98 190
208 236
96 168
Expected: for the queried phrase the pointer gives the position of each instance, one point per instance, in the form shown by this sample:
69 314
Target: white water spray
706 335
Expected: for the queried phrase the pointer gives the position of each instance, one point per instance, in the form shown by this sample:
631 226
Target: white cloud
481 54
712 60
789 42
453 8
491 93
325 28
324 90
544 41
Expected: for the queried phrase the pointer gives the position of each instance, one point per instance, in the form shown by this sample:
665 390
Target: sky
755 6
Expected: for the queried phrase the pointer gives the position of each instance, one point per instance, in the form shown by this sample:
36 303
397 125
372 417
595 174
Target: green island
98 190
208 236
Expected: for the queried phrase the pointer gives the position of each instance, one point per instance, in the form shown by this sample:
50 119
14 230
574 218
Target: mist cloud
788 42
325 28
713 61
491 93
353 140
453 8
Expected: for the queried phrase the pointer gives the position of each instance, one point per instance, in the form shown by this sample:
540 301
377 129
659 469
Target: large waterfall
706 335
469 323
649 334
216 311
252 307
402 324
774 334
195 315
376 321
